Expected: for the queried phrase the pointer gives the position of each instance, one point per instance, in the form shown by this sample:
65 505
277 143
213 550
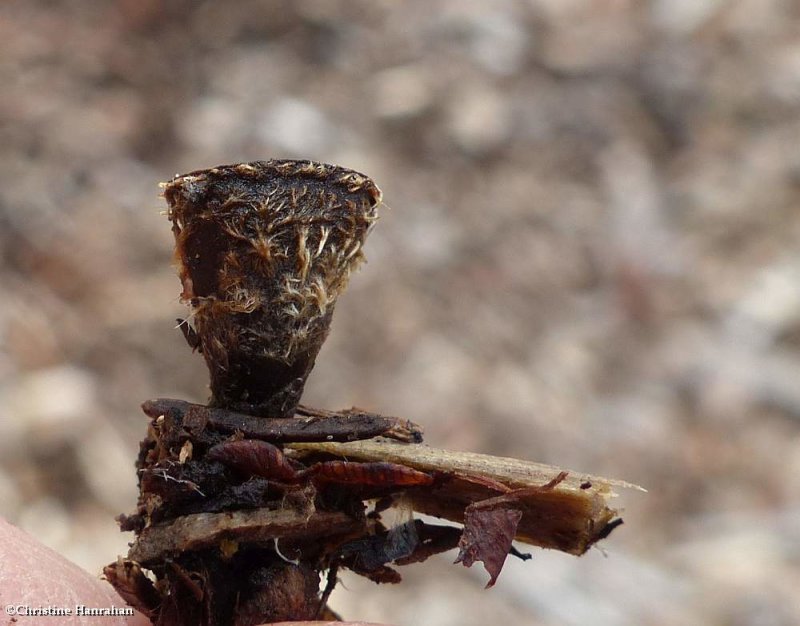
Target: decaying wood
226 473
308 424
204 530
570 516
130 581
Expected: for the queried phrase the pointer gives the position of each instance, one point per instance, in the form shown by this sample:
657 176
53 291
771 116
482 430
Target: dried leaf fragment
376 474
131 583
488 534
253 457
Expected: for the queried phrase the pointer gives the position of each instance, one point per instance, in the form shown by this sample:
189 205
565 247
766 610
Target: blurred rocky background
589 257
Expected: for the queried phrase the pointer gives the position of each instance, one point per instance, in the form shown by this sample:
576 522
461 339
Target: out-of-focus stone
499 41
48 521
105 462
297 127
589 36
10 500
683 17
53 405
479 119
403 91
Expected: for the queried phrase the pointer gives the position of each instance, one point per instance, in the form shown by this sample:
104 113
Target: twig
307 425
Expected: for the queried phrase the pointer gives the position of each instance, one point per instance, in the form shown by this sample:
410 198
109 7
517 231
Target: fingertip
325 624
32 575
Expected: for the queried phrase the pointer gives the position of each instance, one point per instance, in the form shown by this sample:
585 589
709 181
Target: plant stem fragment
308 424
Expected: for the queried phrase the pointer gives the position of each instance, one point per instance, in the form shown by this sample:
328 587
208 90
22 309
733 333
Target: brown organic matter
310 424
263 250
246 502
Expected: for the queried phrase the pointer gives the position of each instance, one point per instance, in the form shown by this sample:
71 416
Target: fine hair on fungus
263 251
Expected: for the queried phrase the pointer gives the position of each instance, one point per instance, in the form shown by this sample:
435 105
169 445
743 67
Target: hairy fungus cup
263 251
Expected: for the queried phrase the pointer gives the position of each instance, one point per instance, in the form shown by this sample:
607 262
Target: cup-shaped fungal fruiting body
263 251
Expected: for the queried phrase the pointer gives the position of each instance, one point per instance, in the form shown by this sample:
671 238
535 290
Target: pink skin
34 575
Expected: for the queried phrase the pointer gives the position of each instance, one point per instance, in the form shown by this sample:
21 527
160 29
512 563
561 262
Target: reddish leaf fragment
253 457
485 481
487 537
376 474
562 476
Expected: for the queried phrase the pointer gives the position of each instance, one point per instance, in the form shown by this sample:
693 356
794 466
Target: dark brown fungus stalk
263 250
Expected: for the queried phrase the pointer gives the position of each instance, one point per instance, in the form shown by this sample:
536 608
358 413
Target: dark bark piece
522 556
412 542
129 523
190 597
264 249
255 493
284 594
488 534
308 424
357 420
609 528
371 553
432 539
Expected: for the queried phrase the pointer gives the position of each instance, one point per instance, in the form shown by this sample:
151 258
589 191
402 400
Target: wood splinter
246 502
